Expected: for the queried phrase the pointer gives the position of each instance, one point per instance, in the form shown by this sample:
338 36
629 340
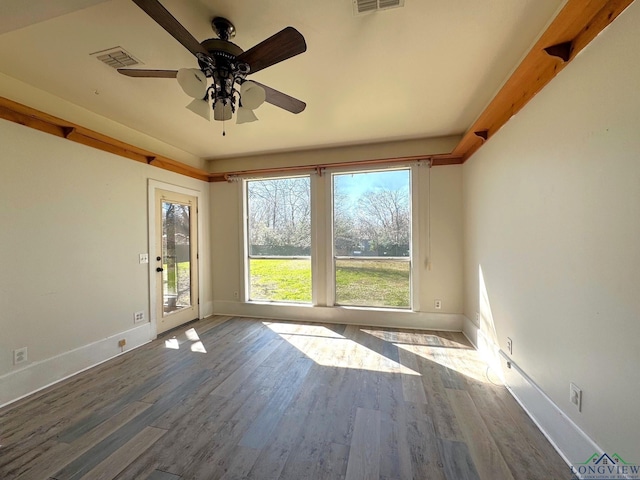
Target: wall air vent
361 7
116 57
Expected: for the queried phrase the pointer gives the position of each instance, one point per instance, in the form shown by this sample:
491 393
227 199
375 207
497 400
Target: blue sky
354 185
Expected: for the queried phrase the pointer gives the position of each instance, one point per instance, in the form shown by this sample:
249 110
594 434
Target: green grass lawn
372 283
183 269
280 280
177 288
366 283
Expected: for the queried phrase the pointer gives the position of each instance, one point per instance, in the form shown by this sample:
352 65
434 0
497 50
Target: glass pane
373 283
372 214
279 225
176 257
280 279
279 217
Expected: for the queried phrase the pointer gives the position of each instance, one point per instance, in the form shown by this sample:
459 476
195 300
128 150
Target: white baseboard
571 443
39 375
348 315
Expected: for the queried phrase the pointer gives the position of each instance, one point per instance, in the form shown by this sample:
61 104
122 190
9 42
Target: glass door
176 259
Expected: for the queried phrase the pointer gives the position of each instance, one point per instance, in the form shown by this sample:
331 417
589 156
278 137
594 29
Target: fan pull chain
223 132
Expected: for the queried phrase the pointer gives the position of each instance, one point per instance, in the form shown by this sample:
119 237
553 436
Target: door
176 259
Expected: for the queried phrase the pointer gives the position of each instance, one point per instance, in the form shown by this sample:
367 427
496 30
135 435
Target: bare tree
384 219
279 215
345 237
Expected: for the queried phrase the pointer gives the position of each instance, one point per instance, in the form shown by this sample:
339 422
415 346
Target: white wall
552 220
443 281
73 221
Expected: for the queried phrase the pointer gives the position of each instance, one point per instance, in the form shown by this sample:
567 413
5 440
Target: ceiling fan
227 66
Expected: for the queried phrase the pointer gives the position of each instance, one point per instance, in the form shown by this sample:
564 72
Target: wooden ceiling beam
30 117
17 116
577 24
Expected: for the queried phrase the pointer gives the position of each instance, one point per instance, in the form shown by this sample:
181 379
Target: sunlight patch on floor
296 329
416 338
330 349
189 336
463 361
192 335
198 347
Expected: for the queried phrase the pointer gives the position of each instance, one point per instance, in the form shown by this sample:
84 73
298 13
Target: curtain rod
437 159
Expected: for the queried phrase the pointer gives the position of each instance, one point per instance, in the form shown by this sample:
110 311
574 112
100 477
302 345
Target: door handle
159 269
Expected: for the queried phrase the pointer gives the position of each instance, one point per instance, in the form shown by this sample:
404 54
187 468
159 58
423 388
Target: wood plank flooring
233 398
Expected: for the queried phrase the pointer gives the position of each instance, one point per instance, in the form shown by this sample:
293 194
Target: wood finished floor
231 398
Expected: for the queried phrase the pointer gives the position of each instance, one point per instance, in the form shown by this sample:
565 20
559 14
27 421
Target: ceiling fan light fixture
219 84
200 107
193 82
245 115
222 110
252 95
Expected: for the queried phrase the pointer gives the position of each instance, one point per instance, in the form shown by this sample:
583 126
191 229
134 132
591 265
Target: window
279 239
372 238
361 245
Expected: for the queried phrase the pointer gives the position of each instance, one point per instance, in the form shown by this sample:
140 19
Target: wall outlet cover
20 355
575 395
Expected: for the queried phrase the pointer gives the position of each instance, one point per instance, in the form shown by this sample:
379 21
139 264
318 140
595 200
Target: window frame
322 248
331 293
246 234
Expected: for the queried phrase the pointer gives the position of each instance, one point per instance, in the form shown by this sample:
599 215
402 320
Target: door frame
153 186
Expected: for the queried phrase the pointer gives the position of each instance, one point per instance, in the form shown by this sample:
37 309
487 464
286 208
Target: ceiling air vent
116 57
361 7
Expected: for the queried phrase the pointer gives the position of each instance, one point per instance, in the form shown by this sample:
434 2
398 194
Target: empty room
355 239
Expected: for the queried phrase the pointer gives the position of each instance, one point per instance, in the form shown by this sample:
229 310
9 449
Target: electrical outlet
510 346
138 317
144 258
575 395
236 295
19 355
437 304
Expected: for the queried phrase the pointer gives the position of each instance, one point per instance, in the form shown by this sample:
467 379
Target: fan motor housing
226 49
224 55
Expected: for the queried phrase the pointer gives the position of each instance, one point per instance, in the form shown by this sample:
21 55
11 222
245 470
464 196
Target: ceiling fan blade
285 44
282 100
134 72
161 15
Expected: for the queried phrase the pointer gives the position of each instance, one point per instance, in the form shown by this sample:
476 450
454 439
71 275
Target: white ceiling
424 70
